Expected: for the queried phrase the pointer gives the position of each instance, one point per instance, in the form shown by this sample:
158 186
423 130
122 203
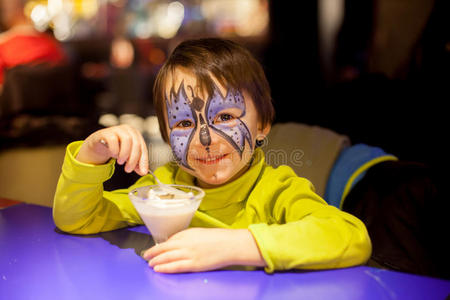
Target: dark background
405 114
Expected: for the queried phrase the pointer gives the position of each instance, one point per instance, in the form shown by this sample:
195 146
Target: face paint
197 104
205 137
179 111
238 132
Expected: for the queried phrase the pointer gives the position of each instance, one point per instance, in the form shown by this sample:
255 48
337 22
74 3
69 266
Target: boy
214 108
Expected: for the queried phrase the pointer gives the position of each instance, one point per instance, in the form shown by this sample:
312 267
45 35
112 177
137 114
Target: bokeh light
72 19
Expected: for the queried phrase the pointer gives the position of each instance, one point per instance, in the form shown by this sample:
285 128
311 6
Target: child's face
213 137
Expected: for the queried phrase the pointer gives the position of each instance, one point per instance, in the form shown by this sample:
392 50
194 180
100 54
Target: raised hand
123 142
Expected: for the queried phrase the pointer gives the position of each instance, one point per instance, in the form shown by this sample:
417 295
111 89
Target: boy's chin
208 178
212 180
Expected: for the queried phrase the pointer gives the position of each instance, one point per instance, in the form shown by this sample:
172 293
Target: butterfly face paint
235 133
185 115
182 120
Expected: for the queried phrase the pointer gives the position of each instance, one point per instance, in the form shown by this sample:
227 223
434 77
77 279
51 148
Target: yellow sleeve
306 233
81 205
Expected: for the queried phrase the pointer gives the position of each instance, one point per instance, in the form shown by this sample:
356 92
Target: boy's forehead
174 79
189 80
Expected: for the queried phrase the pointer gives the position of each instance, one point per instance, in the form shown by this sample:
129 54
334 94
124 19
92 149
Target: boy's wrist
246 251
84 172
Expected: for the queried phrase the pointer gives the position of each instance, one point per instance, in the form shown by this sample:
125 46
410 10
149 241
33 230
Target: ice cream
167 192
166 209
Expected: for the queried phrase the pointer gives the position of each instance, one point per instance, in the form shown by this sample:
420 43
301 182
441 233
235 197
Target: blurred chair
39 90
40 113
310 151
30 174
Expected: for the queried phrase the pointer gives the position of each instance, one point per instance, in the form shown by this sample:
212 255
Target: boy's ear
265 130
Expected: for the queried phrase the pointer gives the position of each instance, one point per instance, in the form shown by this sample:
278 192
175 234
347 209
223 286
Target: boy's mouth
210 159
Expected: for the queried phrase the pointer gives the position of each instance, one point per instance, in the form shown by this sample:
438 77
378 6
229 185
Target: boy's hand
122 142
203 249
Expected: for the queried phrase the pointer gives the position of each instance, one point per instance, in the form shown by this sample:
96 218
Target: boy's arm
309 234
80 204
301 231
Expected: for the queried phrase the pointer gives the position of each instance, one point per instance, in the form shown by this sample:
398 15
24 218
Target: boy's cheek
180 147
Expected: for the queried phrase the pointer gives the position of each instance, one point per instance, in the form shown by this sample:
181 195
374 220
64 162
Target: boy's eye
184 124
224 118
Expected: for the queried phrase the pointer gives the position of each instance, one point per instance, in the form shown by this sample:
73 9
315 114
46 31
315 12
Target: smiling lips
211 160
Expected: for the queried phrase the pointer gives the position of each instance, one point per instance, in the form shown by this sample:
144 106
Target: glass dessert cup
166 209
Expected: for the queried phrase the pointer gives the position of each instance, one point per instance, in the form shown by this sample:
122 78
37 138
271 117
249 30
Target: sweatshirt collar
231 192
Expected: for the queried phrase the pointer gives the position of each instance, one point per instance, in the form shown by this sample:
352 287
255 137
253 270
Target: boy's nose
209 142
204 135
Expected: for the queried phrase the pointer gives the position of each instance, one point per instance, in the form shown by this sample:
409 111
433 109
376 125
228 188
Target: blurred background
377 71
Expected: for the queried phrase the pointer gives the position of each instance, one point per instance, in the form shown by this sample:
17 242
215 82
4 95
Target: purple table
39 262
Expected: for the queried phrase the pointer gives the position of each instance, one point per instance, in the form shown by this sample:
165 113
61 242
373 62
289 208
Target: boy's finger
125 145
143 163
141 167
179 266
112 143
135 151
132 162
167 257
157 250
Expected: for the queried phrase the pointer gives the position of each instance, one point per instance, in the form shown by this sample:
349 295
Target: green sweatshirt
293 227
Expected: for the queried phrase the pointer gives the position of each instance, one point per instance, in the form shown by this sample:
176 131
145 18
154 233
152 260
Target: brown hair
231 64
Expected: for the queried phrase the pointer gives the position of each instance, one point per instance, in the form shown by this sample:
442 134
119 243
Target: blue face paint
235 133
179 111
